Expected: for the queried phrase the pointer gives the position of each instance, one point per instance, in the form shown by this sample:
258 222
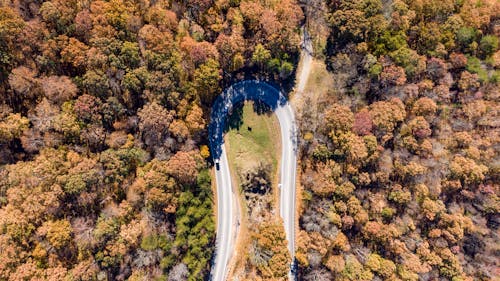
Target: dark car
217 166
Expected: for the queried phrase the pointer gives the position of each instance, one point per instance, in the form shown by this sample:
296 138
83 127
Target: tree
488 45
198 52
154 121
412 63
353 147
384 267
323 178
25 83
458 60
424 107
338 118
475 15
179 130
96 83
356 21
12 127
154 40
58 233
194 215
87 108
419 127
66 122
58 14
261 56
335 263
183 167
354 270
465 36
206 80
11 25
436 68
467 170
129 55
363 123
432 208
393 76
271 237
178 273
468 81
75 53
194 119
83 23
58 89
158 200
229 47
386 115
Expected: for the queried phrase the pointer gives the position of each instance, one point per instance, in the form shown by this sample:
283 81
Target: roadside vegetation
252 144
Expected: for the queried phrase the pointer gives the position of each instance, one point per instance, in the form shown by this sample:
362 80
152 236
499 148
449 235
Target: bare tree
178 273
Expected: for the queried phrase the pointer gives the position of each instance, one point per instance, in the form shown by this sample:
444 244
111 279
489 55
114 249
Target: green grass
247 148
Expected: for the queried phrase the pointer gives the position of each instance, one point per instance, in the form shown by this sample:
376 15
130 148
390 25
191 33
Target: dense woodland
103 157
103 112
400 162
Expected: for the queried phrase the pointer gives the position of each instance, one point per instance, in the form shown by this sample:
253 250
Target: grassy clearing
252 139
320 80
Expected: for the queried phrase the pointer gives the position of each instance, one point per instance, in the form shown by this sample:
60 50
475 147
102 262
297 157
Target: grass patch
252 138
320 80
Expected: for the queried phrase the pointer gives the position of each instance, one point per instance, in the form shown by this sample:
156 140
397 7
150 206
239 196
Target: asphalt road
226 222
287 174
225 218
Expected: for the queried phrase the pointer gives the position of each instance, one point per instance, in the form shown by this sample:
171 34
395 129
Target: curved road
238 92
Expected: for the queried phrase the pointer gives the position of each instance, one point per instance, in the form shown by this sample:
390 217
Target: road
225 218
226 222
287 174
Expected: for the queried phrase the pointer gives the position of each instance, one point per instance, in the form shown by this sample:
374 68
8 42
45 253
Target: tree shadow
235 118
261 108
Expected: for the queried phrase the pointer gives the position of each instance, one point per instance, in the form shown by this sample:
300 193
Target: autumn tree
183 167
467 170
154 121
11 25
363 123
386 115
270 237
58 233
206 80
12 126
58 89
338 118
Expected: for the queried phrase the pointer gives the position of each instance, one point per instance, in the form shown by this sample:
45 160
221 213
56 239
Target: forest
104 164
400 157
